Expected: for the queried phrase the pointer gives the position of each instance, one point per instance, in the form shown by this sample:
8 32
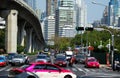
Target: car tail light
17 71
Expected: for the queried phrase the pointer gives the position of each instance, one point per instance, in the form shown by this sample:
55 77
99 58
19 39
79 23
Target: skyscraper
51 6
81 13
114 12
69 14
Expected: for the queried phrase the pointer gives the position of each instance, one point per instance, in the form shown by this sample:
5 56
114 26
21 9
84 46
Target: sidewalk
105 66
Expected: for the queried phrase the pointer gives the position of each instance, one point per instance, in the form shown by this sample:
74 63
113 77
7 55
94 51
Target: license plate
60 64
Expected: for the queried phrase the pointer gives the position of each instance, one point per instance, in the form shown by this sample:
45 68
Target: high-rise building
69 14
51 6
114 12
65 18
81 13
104 20
49 30
49 26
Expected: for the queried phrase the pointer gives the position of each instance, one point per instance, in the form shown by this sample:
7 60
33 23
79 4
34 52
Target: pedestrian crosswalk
76 68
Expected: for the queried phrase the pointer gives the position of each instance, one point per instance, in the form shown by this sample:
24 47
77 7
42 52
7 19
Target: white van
68 54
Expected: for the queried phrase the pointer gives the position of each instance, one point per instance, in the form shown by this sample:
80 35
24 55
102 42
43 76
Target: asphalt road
78 69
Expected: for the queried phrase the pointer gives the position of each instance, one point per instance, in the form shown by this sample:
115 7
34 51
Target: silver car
18 60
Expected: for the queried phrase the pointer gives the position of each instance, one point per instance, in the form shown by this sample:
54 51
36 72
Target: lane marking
4 68
74 69
86 70
80 69
9 69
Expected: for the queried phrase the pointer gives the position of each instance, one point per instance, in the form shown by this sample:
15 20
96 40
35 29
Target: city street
78 69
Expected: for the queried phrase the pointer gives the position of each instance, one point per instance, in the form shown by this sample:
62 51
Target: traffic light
79 28
89 28
82 28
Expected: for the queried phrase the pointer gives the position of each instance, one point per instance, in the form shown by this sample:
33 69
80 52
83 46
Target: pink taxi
42 70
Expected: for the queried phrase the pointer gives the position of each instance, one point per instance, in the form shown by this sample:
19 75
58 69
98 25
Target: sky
94 11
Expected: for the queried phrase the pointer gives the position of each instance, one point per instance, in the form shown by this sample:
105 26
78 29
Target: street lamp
112 45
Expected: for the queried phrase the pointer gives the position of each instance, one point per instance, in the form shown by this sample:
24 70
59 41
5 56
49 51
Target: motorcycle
117 66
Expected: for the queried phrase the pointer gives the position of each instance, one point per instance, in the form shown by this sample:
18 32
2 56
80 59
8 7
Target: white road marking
86 70
4 68
9 69
74 69
92 70
80 69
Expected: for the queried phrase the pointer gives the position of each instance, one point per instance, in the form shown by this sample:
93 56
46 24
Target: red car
61 62
92 62
41 70
3 61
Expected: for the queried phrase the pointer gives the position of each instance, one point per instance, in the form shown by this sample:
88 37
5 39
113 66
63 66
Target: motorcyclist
71 60
116 63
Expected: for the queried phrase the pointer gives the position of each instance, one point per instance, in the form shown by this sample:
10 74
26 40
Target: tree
61 43
20 49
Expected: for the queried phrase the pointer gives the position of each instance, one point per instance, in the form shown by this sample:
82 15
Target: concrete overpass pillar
33 43
11 31
29 39
21 33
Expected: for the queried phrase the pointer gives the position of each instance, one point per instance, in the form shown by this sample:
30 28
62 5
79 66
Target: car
42 70
61 61
80 58
18 59
26 75
60 55
92 62
18 73
10 56
3 60
12 53
42 58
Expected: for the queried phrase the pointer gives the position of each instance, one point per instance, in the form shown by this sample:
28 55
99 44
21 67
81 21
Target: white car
41 70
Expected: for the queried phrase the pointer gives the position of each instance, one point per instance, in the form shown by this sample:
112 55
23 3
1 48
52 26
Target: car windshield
60 59
18 56
80 56
92 60
1 58
41 57
9 57
12 54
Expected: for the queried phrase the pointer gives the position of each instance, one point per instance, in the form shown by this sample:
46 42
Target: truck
68 54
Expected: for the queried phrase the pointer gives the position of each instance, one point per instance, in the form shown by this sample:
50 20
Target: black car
10 56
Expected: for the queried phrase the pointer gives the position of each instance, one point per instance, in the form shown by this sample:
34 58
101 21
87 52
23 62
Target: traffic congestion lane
78 69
